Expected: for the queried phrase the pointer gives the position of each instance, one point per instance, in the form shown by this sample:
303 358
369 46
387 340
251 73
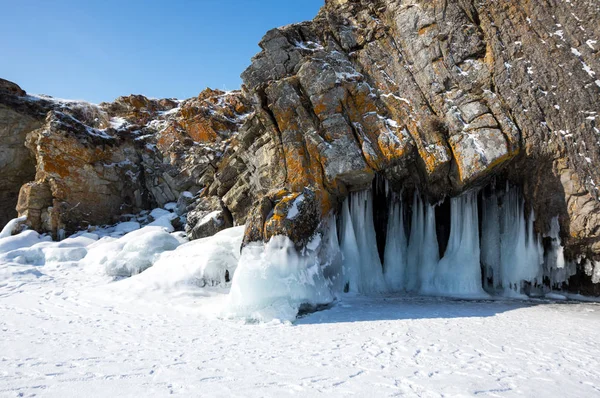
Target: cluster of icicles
498 260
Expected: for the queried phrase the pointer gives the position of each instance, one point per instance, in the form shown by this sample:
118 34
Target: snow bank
165 222
30 248
10 227
201 263
127 227
131 254
22 240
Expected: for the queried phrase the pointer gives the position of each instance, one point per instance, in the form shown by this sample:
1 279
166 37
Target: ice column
521 251
459 271
490 241
415 245
395 248
331 256
429 252
422 252
361 259
349 246
555 265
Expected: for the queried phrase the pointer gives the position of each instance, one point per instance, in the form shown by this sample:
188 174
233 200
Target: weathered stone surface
89 164
17 166
295 215
438 95
207 218
92 177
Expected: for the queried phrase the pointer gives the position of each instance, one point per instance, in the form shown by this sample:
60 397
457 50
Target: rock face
17 166
84 176
439 96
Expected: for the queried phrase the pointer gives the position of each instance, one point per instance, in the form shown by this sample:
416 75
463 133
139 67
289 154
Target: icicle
521 252
535 253
459 271
415 246
331 257
490 241
371 270
363 271
429 252
596 273
395 248
349 245
555 265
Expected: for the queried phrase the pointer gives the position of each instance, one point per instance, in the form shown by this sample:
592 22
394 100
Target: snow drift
131 254
208 262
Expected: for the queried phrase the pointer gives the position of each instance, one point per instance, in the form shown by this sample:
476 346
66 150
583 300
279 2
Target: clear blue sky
97 50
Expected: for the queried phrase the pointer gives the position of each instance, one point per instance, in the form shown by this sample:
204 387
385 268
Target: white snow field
136 310
63 335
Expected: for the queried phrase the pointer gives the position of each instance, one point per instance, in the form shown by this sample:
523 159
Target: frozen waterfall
497 253
502 254
459 271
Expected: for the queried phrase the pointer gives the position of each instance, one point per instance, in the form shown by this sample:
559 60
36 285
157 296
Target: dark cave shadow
389 308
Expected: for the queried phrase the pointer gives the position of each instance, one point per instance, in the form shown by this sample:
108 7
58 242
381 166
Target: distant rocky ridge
439 96
73 164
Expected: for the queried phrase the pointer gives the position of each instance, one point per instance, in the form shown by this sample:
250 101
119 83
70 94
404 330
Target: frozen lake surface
64 332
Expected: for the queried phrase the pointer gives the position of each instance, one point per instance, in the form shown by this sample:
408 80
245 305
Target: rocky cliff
436 96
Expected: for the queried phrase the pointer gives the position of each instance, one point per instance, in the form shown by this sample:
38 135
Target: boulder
207 218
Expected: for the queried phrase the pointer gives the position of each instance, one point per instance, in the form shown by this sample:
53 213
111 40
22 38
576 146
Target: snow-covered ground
65 331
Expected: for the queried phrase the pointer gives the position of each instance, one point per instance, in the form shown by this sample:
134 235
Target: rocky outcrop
84 177
207 217
439 96
17 166
77 164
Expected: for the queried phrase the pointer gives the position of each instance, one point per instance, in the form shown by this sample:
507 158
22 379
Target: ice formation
359 246
395 248
131 254
208 262
507 257
459 271
30 248
555 265
415 245
349 247
10 227
428 266
275 281
512 252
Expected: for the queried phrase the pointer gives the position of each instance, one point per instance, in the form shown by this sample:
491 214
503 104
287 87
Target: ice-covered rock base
275 281
490 248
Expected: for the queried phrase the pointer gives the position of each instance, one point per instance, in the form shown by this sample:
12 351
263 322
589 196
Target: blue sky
97 50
